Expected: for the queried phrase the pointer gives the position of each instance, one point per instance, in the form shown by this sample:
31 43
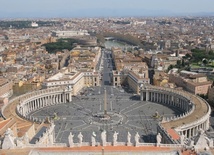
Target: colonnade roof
201 109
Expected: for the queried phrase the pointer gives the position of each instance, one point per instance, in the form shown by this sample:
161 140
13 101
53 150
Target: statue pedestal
103 143
79 144
128 144
71 145
93 143
136 144
114 143
158 144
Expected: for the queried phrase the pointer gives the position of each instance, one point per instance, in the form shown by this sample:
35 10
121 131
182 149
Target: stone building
75 79
190 81
6 88
211 96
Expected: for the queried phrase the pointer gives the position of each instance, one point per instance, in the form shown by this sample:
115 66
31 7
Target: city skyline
101 8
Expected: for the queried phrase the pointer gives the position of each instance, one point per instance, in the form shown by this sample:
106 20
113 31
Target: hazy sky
82 8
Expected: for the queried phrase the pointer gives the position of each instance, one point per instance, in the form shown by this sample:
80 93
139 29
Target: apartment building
74 79
193 82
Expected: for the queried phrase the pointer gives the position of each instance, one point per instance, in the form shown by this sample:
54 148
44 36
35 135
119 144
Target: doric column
64 100
37 105
46 100
55 96
23 110
157 97
141 97
70 97
27 107
161 98
189 133
30 106
52 99
43 99
147 95
60 98
195 131
153 96
41 105
207 123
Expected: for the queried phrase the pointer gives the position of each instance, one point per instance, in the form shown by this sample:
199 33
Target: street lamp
102 150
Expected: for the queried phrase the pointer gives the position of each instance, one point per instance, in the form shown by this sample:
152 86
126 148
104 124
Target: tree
204 61
170 67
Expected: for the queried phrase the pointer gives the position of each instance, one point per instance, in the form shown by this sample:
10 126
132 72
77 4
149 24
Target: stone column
207 124
64 100
56 99
141 97
49 100
27 108
70 97
156 97
153 96
53 99
42 105
23 111
162 99
31 102
46 100
189 133
147 95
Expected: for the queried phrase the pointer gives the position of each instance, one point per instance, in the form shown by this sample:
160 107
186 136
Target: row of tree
60 45
19 24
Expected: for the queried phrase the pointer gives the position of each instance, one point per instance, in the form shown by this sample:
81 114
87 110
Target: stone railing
199 120
178 93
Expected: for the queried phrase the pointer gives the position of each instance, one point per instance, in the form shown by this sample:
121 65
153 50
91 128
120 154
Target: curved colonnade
196 111
40 99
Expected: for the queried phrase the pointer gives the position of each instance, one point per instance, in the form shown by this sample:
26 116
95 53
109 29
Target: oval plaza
106 110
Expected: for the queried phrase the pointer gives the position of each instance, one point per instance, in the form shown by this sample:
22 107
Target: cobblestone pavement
125 113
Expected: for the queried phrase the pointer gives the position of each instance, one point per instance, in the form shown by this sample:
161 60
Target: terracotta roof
173 134
109 148
4 123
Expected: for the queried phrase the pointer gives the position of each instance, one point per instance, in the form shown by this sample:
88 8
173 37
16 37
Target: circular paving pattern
125 112
110 119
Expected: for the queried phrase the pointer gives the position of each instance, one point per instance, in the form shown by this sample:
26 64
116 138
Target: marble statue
8 141
158 139
80 136
137 137
211 143
129 137
93 140
103 137
19 143
70 139
115 135
182 139
26 138
50 138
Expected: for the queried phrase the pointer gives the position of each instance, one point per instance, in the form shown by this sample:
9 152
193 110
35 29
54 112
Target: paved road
107 68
